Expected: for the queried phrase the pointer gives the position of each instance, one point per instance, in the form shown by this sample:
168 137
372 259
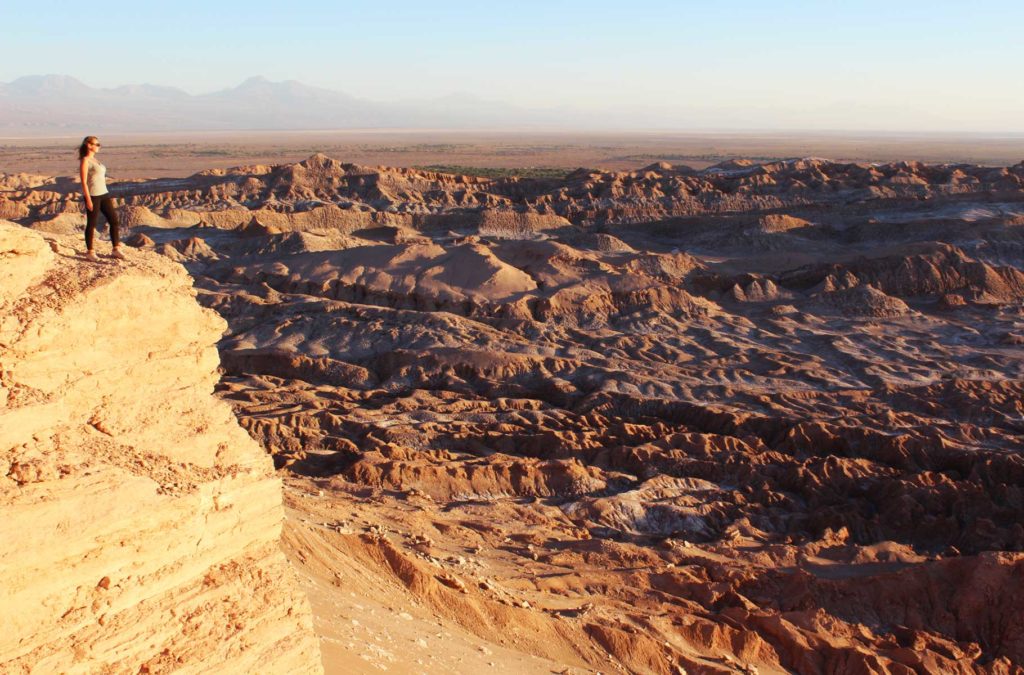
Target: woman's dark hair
83 149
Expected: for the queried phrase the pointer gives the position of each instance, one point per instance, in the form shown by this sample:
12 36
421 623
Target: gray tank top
95 177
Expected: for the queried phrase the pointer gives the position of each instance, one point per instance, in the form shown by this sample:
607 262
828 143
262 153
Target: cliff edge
141 522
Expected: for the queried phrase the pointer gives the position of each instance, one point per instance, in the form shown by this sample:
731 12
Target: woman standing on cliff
97 197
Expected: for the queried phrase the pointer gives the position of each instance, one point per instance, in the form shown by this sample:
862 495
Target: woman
97 198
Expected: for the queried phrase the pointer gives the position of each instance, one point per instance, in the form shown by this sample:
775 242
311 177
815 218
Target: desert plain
153 155
697 404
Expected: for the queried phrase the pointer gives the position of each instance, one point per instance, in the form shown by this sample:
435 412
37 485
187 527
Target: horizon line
548 130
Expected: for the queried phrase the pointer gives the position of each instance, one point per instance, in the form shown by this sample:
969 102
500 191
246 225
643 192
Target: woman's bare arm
83 170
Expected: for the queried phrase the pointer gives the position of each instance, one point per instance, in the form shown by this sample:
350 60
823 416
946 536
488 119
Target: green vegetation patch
714 158
538 172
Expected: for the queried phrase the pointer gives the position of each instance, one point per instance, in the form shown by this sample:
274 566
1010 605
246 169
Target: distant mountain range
42 104
62 105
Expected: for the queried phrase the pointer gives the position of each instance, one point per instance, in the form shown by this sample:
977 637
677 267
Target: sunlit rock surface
141 523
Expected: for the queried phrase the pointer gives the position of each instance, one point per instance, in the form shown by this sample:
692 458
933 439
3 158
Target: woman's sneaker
90 256
117 254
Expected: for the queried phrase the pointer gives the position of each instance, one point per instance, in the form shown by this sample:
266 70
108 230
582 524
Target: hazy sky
893 64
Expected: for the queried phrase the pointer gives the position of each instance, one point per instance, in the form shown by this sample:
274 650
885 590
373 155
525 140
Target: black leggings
104 203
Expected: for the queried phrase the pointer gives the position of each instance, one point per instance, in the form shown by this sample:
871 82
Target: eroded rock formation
141 524
754 417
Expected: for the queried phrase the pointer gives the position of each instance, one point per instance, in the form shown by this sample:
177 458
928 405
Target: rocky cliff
141 523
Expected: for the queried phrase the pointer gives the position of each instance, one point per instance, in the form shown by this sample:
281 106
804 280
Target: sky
899 65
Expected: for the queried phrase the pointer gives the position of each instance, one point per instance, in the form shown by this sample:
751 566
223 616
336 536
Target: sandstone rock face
141 523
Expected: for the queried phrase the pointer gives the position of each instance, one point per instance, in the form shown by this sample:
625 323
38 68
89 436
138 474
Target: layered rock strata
141 523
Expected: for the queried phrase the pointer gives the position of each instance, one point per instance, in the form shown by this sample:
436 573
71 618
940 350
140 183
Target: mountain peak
254 80
48 84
